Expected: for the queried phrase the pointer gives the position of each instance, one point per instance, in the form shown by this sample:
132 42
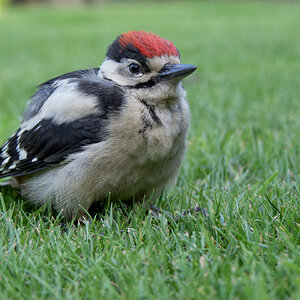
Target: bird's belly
125 165
129 166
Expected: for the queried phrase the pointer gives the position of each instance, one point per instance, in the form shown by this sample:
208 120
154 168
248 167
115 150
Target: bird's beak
171 71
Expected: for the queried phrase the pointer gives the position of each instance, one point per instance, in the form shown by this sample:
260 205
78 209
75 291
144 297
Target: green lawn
241 166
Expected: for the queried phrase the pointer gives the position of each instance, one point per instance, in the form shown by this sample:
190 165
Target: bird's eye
135 69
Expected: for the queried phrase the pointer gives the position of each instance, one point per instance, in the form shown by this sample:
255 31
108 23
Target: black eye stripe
148 84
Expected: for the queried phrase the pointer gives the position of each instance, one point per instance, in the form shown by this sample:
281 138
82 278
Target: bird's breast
151 132
141 152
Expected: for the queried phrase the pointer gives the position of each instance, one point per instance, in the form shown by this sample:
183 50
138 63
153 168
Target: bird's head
146 64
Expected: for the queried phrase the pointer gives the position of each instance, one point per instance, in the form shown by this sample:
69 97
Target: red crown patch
148 43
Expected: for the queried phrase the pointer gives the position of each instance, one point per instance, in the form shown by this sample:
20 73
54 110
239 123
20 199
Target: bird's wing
66 114
45 89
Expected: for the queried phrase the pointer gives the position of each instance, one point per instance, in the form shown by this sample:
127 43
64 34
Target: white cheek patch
110 69
116 72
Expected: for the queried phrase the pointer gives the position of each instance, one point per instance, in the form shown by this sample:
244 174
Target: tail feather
12 182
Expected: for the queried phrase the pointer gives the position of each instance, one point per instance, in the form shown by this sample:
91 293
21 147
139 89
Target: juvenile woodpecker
117 131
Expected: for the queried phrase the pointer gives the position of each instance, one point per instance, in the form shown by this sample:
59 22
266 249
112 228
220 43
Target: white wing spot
13 166
22 154
4 153
5 161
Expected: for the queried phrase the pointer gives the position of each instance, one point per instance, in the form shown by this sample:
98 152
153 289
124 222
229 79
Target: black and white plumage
118 130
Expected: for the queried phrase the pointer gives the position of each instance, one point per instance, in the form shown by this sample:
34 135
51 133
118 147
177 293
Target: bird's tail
12 182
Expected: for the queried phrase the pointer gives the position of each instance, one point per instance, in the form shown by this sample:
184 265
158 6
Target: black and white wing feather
66 113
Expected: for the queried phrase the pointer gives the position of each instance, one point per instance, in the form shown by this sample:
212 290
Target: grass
242 165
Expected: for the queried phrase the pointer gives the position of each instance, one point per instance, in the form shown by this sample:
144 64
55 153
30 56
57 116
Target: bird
113 133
